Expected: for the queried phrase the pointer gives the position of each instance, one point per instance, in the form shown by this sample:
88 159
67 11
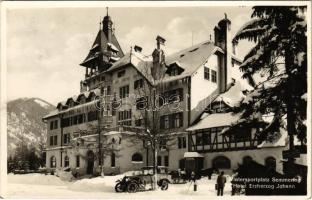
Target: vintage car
143 180
178 177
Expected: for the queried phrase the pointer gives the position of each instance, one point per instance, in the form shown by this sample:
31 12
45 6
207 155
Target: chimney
158 54
137 49
224 41
158 59
107 26
160 41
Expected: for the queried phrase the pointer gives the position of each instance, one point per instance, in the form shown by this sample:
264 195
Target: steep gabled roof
191 58
139 61
99 46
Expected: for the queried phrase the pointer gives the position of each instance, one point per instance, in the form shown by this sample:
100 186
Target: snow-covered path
47 186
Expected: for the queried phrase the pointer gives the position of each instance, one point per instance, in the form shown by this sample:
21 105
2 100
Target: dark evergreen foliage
280 56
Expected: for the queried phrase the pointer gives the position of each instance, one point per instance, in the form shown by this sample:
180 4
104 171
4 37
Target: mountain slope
25 124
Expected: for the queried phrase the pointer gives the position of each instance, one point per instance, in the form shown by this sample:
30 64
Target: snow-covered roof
101 41
215 120
234 95
191 58
57 112
192 155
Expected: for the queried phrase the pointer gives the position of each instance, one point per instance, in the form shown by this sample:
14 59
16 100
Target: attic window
182 55
193 50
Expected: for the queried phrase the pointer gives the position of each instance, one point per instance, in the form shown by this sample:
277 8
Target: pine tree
280 56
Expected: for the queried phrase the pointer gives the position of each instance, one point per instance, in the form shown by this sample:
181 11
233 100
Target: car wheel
132 187
164 185
118 187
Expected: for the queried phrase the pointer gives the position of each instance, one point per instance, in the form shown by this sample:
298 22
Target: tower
104 51
222 35
107 26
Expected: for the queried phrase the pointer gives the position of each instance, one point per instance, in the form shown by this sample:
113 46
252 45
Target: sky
45 46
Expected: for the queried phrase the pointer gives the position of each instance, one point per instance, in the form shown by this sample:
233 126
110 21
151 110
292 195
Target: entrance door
90 164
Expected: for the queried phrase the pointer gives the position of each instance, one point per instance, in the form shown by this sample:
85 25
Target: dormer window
174 69
174 72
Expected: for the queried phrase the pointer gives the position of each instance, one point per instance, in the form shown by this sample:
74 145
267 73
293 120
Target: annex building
97 127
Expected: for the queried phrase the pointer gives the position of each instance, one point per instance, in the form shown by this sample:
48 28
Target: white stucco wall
200 87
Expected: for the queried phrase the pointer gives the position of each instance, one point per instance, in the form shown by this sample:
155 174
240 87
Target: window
181 142
206 138
139 122
109 90
65 122
137 157
243 136
124 92
206 73
174 71
66 161
80 119
167 122
66 138
177 120
53 140
53 162
121 73
213 76
166 161
93 115
171 121
199 139
138 84
124 115
75 120
158 160
77 161
113 159
54 124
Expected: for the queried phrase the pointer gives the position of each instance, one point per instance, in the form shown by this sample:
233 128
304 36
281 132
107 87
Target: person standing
221 180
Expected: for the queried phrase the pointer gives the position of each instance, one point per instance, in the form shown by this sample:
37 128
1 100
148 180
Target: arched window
221 162
53 162
247 160
66 161
113 157
113 141
137 157
270 163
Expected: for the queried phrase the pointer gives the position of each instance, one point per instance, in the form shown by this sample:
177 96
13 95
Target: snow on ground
48 186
